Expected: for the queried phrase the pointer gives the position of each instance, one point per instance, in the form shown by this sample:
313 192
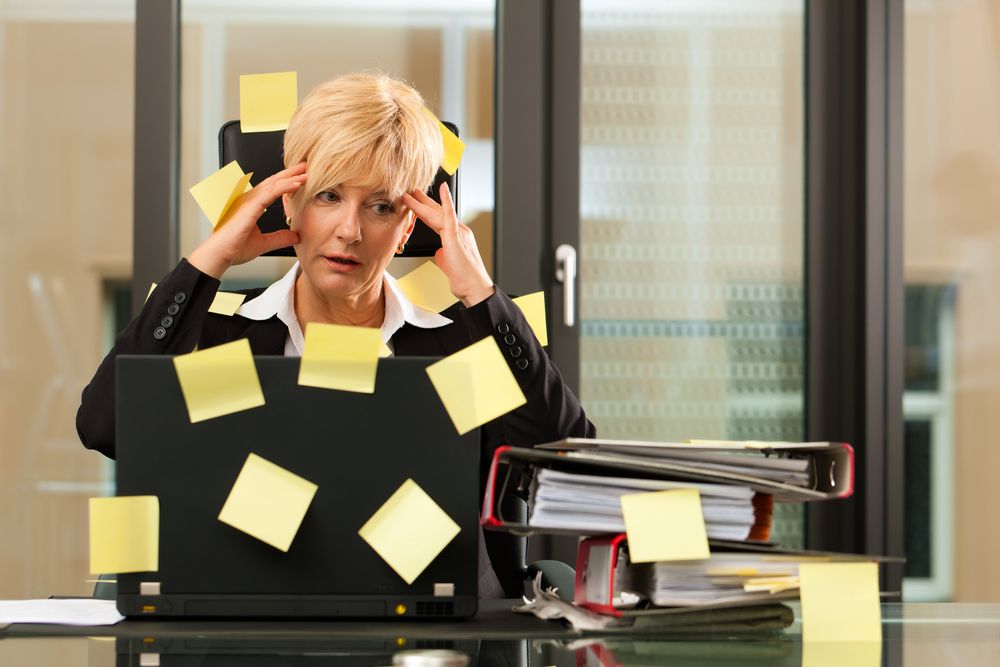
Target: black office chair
262 153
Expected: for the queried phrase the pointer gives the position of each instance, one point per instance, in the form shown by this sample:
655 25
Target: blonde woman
372 151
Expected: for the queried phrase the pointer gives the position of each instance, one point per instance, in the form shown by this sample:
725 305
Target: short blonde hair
366 130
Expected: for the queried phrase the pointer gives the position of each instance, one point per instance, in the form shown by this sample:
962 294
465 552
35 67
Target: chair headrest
261 153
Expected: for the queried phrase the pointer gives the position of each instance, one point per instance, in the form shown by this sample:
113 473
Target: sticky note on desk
226 303
665 525
409 531
533 307
840 602
267 101
839 654
476 385
340 357
219 380
427 286
268 502
124 534
216 194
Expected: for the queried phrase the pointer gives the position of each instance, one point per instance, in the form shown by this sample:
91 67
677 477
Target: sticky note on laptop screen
267 101
268 502
475 385
124 534
427 286
840 602
216 194
665 525
409 531
340 357
533 307
219 380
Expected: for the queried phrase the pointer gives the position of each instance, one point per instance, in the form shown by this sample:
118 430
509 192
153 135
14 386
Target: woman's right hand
236 238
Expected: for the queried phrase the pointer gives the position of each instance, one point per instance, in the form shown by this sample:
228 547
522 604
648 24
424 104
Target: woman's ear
411 221
286 203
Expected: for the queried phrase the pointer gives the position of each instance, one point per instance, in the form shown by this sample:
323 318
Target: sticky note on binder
409 531
665 525
219 380
533 307
268 502
476 385
427 286
340 357
215 195
840 602
124 534
226 303
267 101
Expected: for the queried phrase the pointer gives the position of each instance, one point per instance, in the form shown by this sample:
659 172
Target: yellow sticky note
226 303
476 385
453 149
384 351
409 531
268 502
665 525
427 286
839 654
219 380
124 534
152 286
216 194
340 357
840 602
267 101
533 307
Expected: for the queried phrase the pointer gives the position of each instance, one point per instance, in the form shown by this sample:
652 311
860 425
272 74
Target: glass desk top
913 635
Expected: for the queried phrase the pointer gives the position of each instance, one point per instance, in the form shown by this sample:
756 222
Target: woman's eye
328 196
383 208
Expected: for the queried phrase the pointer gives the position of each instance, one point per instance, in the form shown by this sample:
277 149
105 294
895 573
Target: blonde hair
366 130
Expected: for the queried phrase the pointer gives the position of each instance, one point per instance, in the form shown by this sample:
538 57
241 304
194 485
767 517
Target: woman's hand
459 255
236 238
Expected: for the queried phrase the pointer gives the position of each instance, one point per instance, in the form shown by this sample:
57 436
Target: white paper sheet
60 612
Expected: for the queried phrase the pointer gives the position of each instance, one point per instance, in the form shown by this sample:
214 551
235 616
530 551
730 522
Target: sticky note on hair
267 101
453 149
215 195
124 534
476 385
409 531
840 602
340 357
665 525
268 502
533 307
226 303
219 380
427 286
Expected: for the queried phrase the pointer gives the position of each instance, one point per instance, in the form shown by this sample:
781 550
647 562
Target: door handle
566 274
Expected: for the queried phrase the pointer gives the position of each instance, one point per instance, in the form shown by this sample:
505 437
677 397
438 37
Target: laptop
358 449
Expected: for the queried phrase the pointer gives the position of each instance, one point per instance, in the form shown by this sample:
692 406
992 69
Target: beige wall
952 214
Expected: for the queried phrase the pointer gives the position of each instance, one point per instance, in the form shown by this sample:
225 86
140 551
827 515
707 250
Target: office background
784 212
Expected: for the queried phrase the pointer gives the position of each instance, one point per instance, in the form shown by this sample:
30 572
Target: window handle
566 274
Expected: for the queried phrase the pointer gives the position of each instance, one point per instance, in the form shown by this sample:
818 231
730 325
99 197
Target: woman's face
347 236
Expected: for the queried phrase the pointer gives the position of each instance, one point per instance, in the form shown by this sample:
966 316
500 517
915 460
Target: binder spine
589 552
488 517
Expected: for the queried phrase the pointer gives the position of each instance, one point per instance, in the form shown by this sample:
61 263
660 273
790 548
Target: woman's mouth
341 263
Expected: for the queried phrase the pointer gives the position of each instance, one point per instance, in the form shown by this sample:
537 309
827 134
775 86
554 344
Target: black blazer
175 319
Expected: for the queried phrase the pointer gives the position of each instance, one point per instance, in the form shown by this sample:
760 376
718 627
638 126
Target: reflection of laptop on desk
357 448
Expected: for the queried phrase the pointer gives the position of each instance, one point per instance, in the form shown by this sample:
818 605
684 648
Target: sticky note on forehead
340 357
219 380
665 525
475 385
217 193
409 531
840 602
124 534
267 101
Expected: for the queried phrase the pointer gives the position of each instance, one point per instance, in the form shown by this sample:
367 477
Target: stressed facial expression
347 236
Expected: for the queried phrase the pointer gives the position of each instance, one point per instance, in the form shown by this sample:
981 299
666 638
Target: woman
372 151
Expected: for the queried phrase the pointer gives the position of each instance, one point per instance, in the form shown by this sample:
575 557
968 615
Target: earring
288 221
399 248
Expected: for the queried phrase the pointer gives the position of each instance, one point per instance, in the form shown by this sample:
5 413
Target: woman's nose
349 226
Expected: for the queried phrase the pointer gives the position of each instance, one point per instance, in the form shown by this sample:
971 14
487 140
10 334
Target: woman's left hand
459 255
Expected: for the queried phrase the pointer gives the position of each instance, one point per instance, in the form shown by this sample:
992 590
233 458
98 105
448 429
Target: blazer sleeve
552 412
170 322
